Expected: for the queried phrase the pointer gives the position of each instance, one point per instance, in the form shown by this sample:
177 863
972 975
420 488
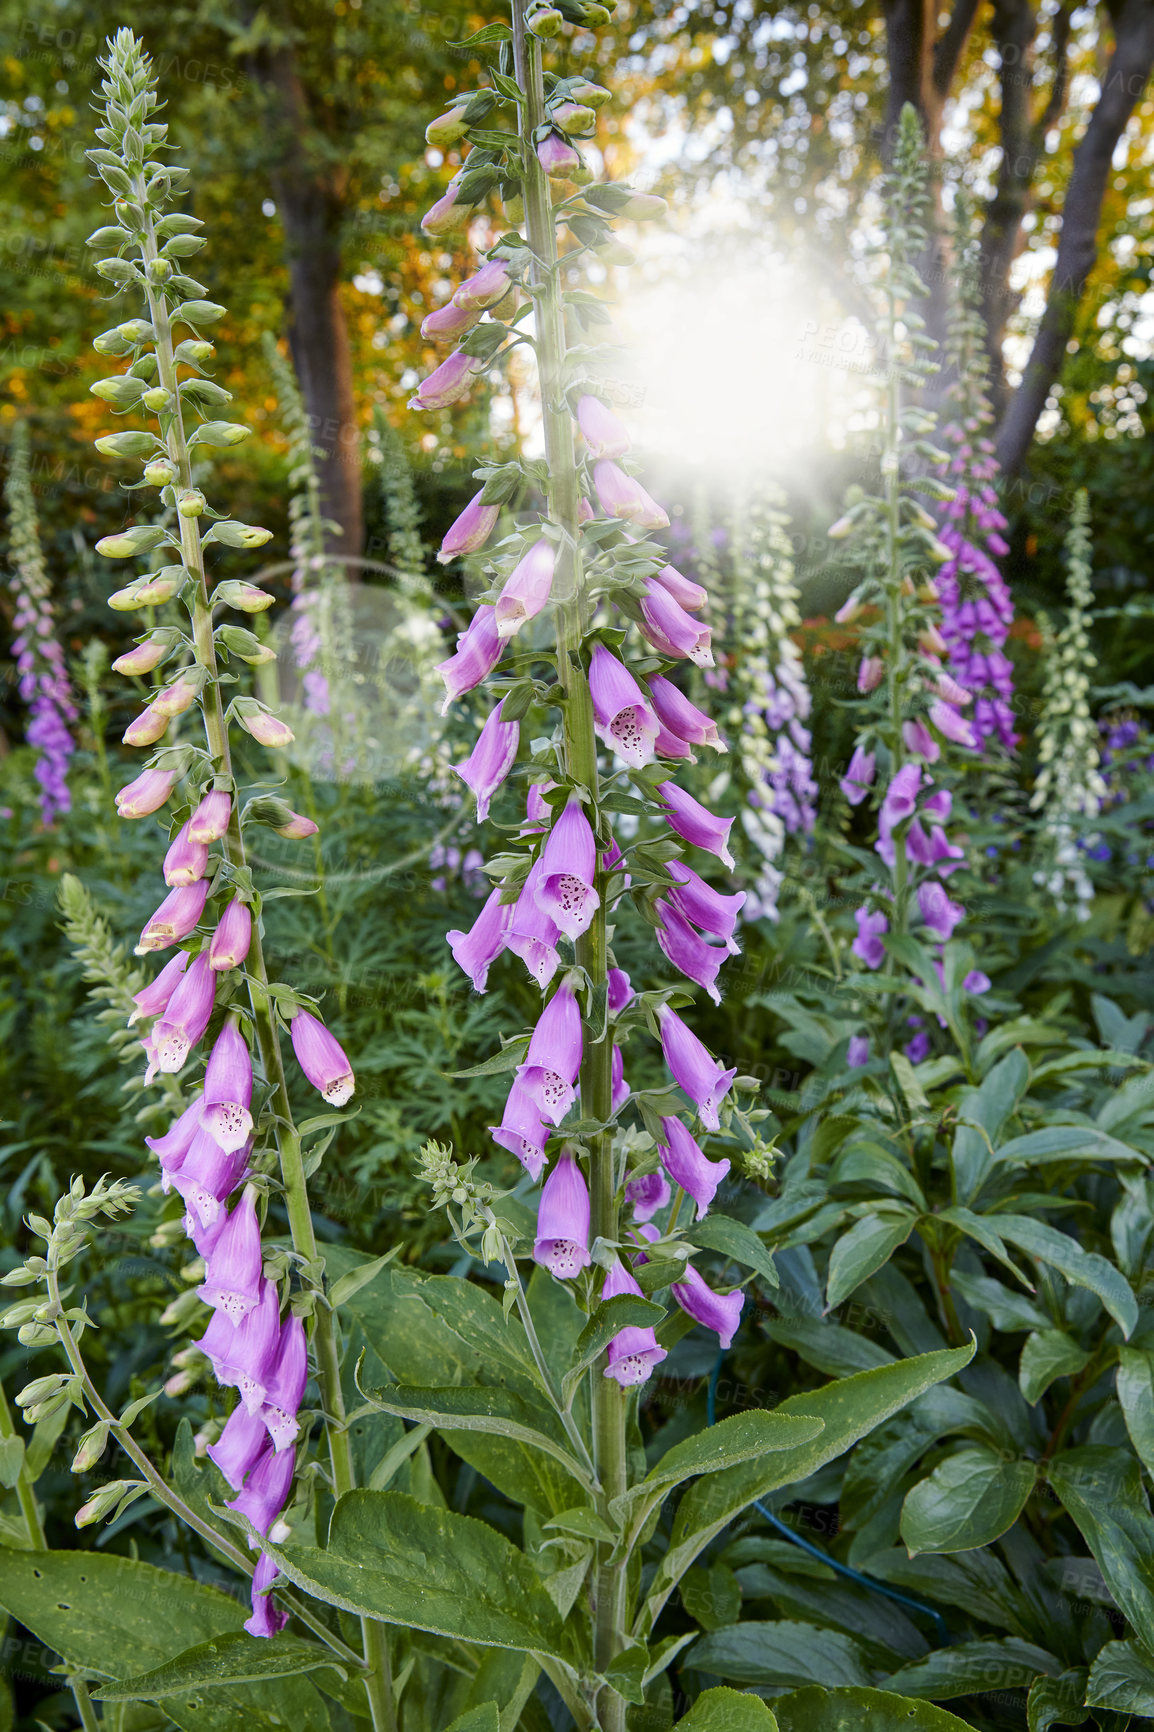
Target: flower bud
231 940
140 539
147 655
104 1501
573 118
157 397
126 444
264 727
447 128
159 472
245 535
246 597
199 312
111 343
210 820
92 1447
146 794
159 270
589 94
191 502
136 331
239 642
194 349
181 694
149 726
545 23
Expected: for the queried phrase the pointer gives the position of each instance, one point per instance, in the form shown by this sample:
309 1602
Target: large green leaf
728 1711
970 1499
982 1116
1136 1395
486 1718
1057 1701
116 1617
741 1437
735 1240
1047 1355
973 1667
1082 1268
393 1558
869 1244
1122 1678
850 1408
857 1710
502 1412
1102 1490
1066 1142
232 1658
780 1654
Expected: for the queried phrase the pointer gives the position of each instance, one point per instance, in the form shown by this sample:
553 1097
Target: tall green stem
608 1399
25 1493
325 1345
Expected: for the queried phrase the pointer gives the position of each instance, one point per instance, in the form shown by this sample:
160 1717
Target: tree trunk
1123 84
310 198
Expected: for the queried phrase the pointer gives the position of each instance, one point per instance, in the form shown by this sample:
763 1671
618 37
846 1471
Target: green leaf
850 1408
741 1437
1081 1268
1061 1142
1007 1310
1047 1355
725 1710
781 1653
113 1615
1136 1394
972 1667
735 1240
392 1558
610 1317
983 1113
479 38
968 1500
858 1254
1102 1490
11 1460
583 1522
1122 1678
907 1081
351 1283
509 1057
1057 1701
502 1411
486 1718
232 1658
851 1710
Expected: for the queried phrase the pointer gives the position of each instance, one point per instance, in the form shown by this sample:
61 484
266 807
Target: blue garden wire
944 1638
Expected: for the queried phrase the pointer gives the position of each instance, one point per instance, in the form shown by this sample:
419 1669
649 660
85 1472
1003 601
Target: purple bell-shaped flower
562 1242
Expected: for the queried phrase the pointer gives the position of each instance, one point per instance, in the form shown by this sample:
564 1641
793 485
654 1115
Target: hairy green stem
608 1399
325 1345
572 1431
84 1706
25 1492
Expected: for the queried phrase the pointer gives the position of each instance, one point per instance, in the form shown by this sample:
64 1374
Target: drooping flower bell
620 1088
683 1160
232 1281
633 1352
532 932
858 779
265 1490
239 1446
647 1195
620 989
682 718
491 759
622 718
209 822
206 1177
152 999
602 432
562 1241
687 594
693 1068
478 652
175 918
720 1312
266 1620
674 632
526 590
868 946
229 945
939 913
244 1355
522 1130
476 950
623 496
145 794
550 1066
708 909
185 861
568 867
286 1384
695 824
171 1149
470 531
186 1016
485 287
687 951
227 1097
322 1058
447 383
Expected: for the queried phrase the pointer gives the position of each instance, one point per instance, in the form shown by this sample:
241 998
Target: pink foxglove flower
920 741
620 990
683 1160
265 1490
939 913
708 909
623 719
296 828
171 1149
471 530
448 323
634 1352
491 759
550 1066
620 1088
185 861
209 822
476 950
602 432
948 722
695 824
693 1068
175 918
186 1016
858 1051
152 999
568 866
230 942
647 1195
673 631
522 1130
532 932
286 1384
976 982
207 1176
148 727
526 590
239 1445
226 1111
858 779
870 673
557 157
562 1242
478 652
719 1312
485 287
868 946
669 747
620 495
265 1620
146 794
446 384
232 1281
322 1059
244 1356
687 594
681 717
687 951
265 728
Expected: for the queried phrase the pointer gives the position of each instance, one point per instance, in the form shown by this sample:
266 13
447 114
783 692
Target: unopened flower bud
447 128
159 270
104 1501
92 1447
149 726
136 331
159 472
157 397
141 539
245 597
191 502
245 644
264 727
147 655
181 694
573 118
589 94
545 23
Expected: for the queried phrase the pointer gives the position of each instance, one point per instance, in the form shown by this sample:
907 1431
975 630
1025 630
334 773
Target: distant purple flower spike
976 982
695 824
322 1058
647 1195
286 1384
476 950
858 1051
623 719
550 1067
704 1080
918 1048
683 1160
152 999
939 913
532 933
233 1280
522 1130
186 1016
562 1242
719 1312
491 759
239 1445
633 1352
920 741
478 652
707 908
682 718
858 779
228 1089
687 951
868 946
568 867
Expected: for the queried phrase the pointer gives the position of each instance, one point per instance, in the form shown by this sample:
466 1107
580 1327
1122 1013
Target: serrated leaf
735 1240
